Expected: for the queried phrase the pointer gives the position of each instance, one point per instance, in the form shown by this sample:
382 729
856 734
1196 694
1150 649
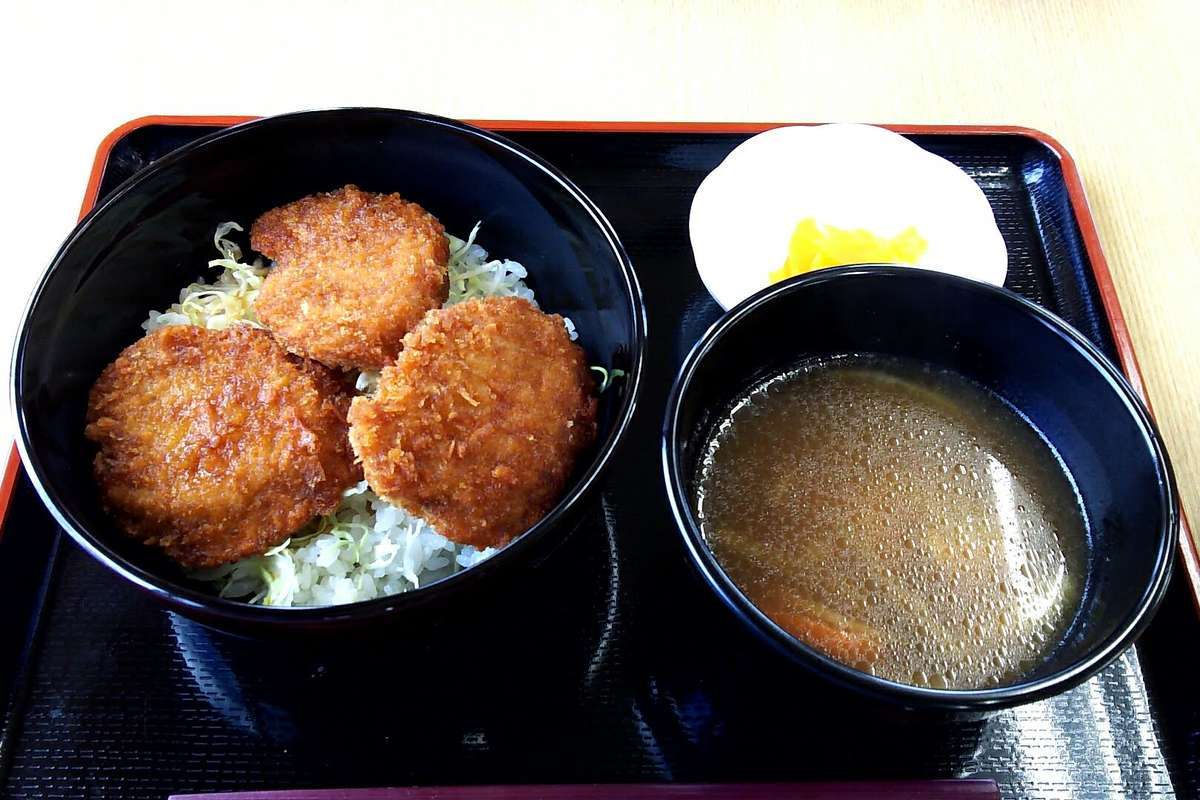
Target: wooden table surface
1115 82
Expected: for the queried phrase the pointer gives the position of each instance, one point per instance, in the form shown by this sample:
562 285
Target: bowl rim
1072 673
209 607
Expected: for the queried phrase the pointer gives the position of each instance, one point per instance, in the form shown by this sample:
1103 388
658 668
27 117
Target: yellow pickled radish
815 246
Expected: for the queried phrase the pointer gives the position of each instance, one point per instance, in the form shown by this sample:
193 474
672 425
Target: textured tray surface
610 662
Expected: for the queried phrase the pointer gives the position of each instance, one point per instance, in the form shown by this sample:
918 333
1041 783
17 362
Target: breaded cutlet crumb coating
478 425
354 271
215 445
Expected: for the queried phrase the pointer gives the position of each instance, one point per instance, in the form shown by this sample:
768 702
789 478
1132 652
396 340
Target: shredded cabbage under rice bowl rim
367 548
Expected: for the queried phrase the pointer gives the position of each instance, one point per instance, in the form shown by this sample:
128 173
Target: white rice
368 547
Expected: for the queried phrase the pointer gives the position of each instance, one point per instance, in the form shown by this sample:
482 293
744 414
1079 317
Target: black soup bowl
153 235
1062 384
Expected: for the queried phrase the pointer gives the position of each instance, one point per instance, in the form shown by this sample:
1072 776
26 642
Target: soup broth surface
905 521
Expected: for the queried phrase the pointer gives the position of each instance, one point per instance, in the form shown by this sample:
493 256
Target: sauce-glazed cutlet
478 425
215 445
354 272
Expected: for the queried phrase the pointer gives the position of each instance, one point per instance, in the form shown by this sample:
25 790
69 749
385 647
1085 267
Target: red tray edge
1079 206
945 789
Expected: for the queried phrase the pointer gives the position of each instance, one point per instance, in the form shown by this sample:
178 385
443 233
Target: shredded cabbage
226 301
473 274
607 376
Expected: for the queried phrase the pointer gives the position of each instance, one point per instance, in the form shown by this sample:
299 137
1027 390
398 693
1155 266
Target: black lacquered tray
610 662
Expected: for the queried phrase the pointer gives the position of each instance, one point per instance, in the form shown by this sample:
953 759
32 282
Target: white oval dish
847 175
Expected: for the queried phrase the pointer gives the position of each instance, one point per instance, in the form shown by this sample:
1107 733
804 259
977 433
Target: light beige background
1116 82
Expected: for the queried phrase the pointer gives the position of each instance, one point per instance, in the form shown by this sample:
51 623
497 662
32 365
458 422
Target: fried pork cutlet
478 425
215 445
354 272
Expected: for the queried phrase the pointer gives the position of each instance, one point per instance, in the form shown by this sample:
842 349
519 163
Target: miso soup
903 520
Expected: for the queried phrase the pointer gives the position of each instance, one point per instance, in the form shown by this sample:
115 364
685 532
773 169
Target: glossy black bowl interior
1059 381
153 236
